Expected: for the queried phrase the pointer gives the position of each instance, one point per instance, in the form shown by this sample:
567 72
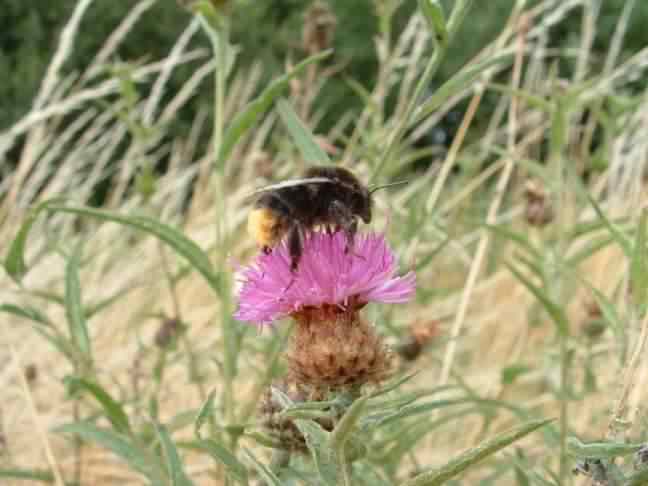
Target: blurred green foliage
265 31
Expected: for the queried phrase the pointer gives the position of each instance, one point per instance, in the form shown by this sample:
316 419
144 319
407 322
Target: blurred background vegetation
265 32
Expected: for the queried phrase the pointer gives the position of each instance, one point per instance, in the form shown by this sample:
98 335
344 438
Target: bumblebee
331 198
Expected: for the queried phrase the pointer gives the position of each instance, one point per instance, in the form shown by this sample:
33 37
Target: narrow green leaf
174 463
74 308
435 17
618 235
459 82
317 441
456 466
34 475
555 312
512 372
639 265
346 425
530 99
96 307
522 240
418 409
169 235
284 400
113 409
308 146
38 321
638 479
205 412
219 453
253 111
600 450
26 312
138 459
536 267
394 384
266 474
15 261
589 249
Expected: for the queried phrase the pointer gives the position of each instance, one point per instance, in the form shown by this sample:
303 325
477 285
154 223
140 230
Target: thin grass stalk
459 11
610 60
219 39
40 429
492 212
559 133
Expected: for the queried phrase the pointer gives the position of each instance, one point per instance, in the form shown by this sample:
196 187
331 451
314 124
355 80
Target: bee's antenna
397 183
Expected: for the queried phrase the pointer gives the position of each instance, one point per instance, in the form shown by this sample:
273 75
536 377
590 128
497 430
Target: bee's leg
266 249
345 221
350 231
295 246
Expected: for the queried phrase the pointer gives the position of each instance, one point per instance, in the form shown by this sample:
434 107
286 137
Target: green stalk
220 46
559 133
344 467
458 14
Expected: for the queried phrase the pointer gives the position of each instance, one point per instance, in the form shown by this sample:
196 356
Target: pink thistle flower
327 275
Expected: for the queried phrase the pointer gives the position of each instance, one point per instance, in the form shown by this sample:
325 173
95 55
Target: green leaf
438 476
205 412
394 384
639 265
253 111
589 249
435 17
418 409
27 312
512 372
74 309
534 101
218 452
15 261
174 463
308 146
555 312
266 474
618 235
459 82
113 409
138 459
317 441
34 475
169 235
40 324
521 239
638 479
600 450
346 426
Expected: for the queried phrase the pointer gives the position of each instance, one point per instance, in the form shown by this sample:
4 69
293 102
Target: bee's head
365 205
362 205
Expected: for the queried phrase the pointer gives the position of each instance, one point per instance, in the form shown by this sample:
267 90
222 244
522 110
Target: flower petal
328 273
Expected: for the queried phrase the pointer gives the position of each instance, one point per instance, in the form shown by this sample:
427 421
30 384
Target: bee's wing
289 183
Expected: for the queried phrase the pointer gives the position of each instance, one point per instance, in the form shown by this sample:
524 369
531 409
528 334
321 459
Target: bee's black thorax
335 204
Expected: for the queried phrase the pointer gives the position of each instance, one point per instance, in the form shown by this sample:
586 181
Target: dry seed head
421 333
539 211
334 347
31 373
319 28
592 308
167 332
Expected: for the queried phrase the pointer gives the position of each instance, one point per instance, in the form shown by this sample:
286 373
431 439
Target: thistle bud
319 28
